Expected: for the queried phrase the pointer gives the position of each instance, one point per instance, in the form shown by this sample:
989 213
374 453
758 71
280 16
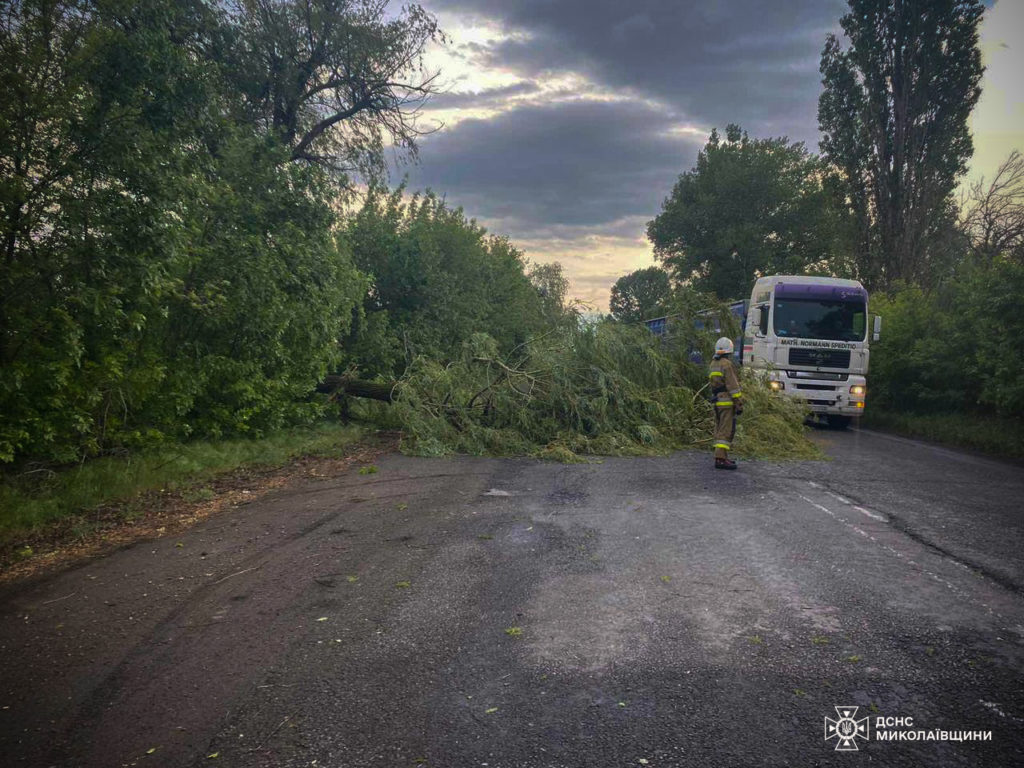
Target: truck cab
809 335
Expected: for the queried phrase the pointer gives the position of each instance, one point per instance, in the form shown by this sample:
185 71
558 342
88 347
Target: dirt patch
160 513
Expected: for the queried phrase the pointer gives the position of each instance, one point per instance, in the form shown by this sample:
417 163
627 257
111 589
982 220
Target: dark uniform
725 386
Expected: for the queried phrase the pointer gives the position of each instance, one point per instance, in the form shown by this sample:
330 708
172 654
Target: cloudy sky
566 122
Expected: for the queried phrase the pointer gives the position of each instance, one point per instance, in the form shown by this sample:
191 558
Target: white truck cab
810 337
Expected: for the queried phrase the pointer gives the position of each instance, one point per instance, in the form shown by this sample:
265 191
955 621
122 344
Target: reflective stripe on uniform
736 394
716 373
722 445
724 405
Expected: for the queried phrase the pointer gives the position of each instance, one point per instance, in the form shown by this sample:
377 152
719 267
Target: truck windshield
815 319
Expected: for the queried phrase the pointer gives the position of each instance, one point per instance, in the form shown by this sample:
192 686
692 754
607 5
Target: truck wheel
839 422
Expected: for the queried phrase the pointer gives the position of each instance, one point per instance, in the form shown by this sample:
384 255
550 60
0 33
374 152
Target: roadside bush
953 350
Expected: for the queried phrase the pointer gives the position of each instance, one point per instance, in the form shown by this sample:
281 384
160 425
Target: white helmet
723 346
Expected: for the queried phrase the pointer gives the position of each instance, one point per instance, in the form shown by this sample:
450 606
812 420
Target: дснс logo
846 729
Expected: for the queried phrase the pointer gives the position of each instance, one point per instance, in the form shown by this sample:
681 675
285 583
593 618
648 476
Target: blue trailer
705 320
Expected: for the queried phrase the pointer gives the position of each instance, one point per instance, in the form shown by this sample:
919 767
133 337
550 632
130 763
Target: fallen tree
338 384
610 389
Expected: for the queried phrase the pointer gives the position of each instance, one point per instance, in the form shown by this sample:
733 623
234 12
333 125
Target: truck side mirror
762 319
878 328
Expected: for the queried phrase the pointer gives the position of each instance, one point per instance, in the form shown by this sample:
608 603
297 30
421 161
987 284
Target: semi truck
808 336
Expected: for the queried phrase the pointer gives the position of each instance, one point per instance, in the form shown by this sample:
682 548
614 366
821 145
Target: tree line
178 259
882 202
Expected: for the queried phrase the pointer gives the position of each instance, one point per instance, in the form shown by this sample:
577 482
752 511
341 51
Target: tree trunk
375 390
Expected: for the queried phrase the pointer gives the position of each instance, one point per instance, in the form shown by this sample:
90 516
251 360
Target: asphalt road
480 612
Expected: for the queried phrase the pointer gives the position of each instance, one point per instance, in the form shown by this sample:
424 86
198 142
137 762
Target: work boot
725 464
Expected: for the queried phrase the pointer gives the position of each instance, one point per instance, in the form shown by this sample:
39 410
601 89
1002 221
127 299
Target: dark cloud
742 61
572 165
488 97
573 176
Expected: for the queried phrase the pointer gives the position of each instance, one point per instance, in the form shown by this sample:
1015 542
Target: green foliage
749 206
276 289
916 365
771 426
605 389
437 279
552 286
169 270
89 109
893 116
992 322
953 350
640 295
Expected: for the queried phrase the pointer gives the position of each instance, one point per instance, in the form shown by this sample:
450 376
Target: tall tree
336 80
640 294
893 117
96 101
553 288
749 207
436 279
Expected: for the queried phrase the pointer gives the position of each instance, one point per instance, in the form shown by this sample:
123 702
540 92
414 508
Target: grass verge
986 434
36 498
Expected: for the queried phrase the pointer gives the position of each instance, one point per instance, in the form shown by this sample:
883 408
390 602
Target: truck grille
824 358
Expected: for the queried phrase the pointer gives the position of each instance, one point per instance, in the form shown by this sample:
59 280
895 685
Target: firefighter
728 401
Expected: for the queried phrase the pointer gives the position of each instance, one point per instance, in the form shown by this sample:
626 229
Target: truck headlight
776 385
857 389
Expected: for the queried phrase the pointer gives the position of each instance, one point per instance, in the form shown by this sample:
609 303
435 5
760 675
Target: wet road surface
471 612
